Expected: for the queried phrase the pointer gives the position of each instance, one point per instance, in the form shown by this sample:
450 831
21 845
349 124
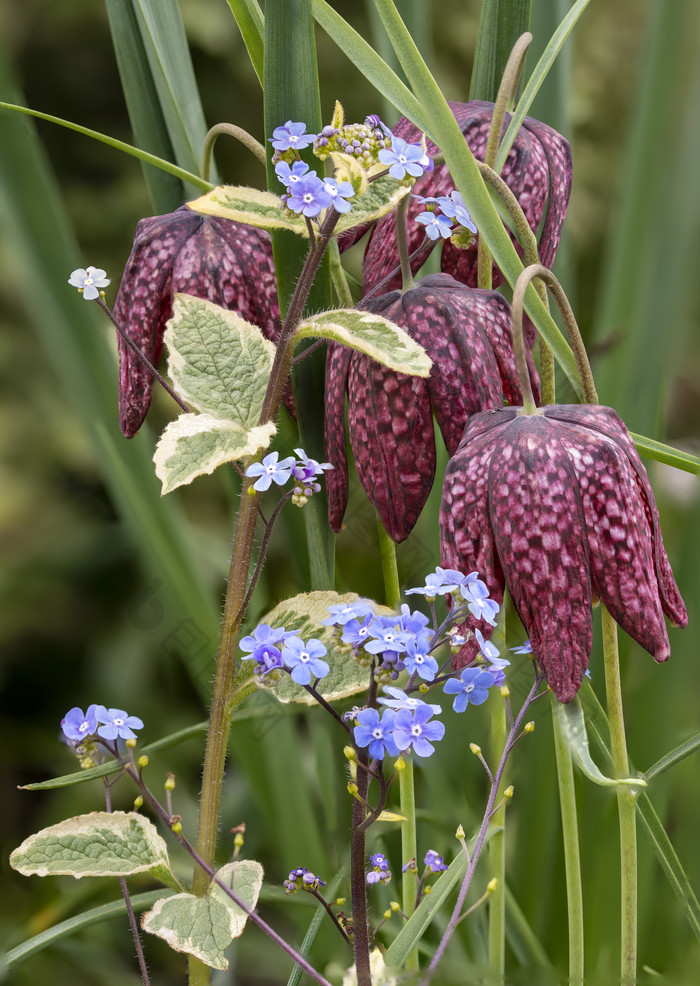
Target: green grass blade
168 55
651 824
501 24
251 24
418 923
147 121
366 59
647 295
74 336
527 947
674 756
446 133
119 145
80 776
292 93
313 929
666 453
669 861
537 78
81 921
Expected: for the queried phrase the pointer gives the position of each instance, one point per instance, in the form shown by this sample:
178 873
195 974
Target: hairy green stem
231 130
573 332
519 348
407 798
625 804
572 859
497 848
528 242
390 571
236 591
409 847
407 281
339 277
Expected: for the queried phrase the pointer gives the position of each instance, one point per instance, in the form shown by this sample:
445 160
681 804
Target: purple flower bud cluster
301 878
279 648
433 862
110 724
363 141
303 470
380 872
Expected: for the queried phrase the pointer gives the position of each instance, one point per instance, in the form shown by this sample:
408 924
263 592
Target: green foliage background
101 602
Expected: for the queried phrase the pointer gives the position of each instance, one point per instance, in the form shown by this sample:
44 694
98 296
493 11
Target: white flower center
118 722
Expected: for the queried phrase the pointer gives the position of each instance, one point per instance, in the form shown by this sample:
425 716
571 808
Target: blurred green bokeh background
93 600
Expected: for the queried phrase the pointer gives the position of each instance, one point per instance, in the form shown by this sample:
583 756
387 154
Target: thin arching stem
572 330
231 130
506 94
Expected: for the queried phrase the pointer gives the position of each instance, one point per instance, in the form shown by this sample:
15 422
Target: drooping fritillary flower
538 171
557 506
466 333
224 262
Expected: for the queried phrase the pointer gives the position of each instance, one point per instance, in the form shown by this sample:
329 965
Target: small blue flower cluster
301 659
309 195
77 726
393 644
302 878
303 470
445 215
380 872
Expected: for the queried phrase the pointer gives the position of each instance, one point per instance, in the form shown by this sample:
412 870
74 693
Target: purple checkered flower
557 506
466 334
224 262
537 170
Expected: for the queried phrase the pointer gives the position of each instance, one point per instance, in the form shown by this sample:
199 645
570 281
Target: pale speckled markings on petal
619 537
337 369
465 375
540 535
225 262
603 420
560 170
391 432
466 538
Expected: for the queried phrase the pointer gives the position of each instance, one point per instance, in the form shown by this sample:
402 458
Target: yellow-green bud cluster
362 140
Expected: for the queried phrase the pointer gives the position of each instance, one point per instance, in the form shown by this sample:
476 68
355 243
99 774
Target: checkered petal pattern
538 171
224 262
466 333
557 506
